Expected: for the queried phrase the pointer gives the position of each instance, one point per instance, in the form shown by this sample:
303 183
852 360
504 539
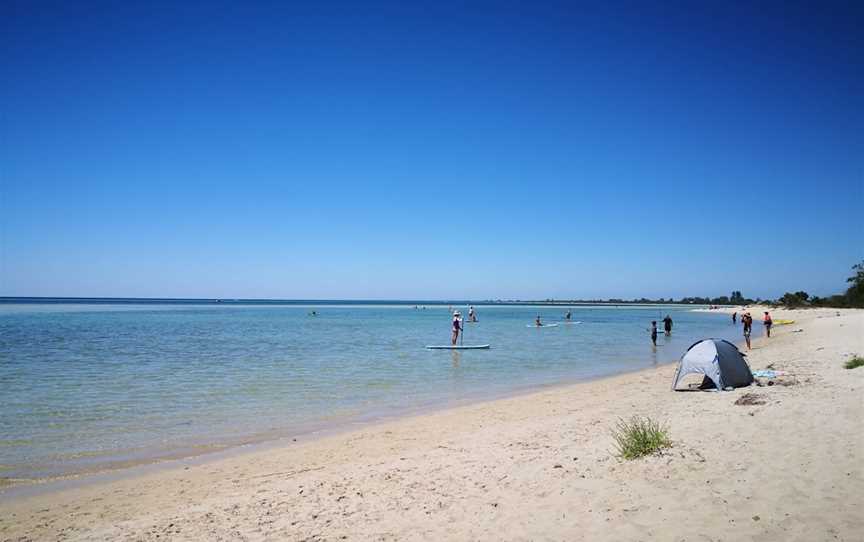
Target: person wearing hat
457 327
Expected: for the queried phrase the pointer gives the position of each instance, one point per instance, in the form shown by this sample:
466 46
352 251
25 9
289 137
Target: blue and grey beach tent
720 361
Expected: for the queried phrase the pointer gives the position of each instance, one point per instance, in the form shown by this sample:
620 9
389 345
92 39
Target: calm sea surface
87 387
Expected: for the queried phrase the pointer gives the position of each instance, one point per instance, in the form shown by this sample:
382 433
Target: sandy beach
533 467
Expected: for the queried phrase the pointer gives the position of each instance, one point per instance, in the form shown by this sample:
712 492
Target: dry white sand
533 467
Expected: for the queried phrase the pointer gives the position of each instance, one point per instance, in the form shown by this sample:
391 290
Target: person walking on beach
472 316
457 327
667 325
747 320
654 332
767 322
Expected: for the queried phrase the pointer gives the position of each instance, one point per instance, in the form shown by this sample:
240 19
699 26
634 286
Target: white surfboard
544 325
572 323
459 347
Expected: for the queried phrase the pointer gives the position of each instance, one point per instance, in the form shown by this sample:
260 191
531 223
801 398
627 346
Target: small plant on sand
640 436
856 361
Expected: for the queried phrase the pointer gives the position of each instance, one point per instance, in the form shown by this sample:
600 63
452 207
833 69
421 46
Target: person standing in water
747 321
667 325
734 318
568 315
472 316
767 322
457 327
654 332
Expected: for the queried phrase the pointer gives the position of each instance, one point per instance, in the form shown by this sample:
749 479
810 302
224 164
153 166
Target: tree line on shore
852 297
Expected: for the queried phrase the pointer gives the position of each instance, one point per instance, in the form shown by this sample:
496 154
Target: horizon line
643 300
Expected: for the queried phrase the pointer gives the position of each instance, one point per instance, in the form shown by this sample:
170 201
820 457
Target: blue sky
499 150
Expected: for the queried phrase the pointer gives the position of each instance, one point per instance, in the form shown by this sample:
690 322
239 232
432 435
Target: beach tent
720 361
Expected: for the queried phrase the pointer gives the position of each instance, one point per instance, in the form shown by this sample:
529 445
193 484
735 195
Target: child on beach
747 320
767 322
457 327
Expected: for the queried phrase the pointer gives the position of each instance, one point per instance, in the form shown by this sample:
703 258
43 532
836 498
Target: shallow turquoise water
86 387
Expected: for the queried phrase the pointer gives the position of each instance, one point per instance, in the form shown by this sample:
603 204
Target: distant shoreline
289 302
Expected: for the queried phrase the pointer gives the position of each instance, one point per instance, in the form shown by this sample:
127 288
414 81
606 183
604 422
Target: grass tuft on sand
856 361
640 436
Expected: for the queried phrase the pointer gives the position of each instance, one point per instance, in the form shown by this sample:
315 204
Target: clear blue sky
366 150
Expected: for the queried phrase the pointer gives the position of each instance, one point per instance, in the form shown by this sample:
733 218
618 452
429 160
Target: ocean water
88 387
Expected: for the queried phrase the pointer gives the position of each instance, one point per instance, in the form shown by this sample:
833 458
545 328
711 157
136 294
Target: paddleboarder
472 316
457 327
568 315
537 321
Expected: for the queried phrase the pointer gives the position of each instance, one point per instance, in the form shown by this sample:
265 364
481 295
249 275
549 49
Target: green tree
855 292
798 299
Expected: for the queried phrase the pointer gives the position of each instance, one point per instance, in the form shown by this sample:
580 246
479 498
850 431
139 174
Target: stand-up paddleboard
460 347
571 323
542 325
